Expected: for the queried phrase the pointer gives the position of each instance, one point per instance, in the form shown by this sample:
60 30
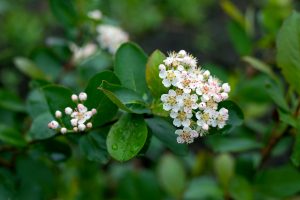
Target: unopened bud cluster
193 96
80 116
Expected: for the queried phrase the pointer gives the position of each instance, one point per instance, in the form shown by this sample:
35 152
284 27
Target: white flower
58 114
80 53
186 135
226 87
81 115
222 117
111 37
170 101
81 127
82 96
188 102
63 130
224 96
181 118
169 77
95 14
53 124
68 110
205 118
74 97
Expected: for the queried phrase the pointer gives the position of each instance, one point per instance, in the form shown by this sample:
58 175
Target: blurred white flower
186 135
95 14
81 53
111 37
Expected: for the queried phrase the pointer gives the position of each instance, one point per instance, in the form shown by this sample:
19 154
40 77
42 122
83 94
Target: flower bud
63 130
162 67
81 127
53 124
74 122
182 53
205 127
82 96
68 110
224 96
58 114
89 125
206 73
75 129
94 111
74 97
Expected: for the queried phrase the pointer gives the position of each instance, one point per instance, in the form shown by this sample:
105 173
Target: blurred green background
219 33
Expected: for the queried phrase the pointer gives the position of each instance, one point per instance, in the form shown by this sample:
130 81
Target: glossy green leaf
278 182
130 66
106 109
288 50
11 136
152 74
36 103
29 68
261 66
165 132
276 93
127 137
39 129
124 98
64 11
171 175
93 146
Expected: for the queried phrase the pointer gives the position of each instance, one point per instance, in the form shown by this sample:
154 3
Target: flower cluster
193 96
80 116
111 37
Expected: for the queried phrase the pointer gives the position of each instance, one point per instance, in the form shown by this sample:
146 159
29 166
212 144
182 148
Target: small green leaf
64 11
261 66
106 109
130 66
127 137
171 175
39 129
124 98
93 147
231 10
165 132
152 74
11 136
29 68
288 50
295 157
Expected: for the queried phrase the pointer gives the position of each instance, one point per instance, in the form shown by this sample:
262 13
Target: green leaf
93 147
11 101
203 188
106 109
278 182
240 188
165 132
236 117
276 93
64 11
29 68
171 175
288 50
36 103
232 11
124 98
152 74
39 129
157 109
11 136
130 66
224 168
295 157
127 137
58 98
260 66
57 150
